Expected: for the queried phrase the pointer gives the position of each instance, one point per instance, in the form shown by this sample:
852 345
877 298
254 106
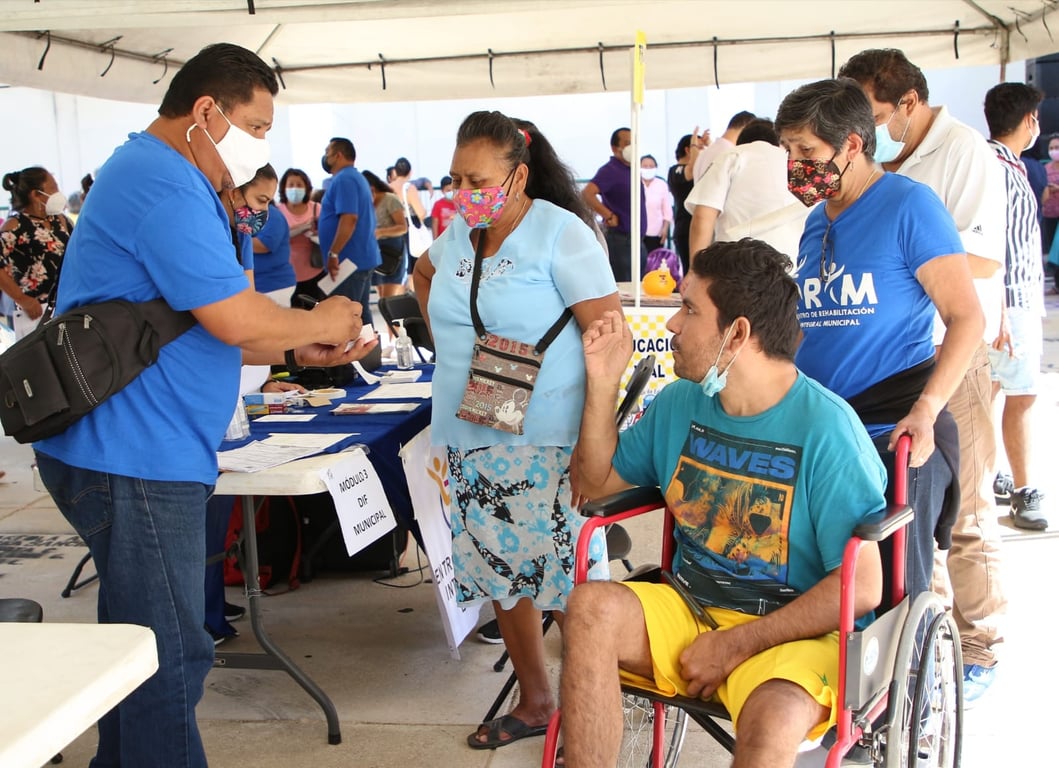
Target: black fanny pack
70 364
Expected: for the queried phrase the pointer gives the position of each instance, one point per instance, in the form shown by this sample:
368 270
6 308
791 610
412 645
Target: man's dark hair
228 73
888 73
614 136
301 175
751 279
831 109
741 119
402 167
759 129
549 178
345 148
1007 104
445 181
682 146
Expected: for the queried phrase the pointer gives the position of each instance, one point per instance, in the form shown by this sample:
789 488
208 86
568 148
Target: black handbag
67 366
392 251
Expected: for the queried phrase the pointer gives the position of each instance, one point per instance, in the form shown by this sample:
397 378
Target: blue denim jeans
357 287
147 539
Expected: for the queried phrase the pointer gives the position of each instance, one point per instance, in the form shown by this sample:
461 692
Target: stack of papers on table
276 449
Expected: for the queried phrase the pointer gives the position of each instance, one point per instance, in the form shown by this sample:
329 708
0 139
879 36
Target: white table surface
59 679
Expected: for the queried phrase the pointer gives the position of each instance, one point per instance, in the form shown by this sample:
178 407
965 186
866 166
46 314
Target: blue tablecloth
383 433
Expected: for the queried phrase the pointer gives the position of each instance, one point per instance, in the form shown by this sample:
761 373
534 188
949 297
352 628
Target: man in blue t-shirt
347 224
766 474
133 476
609 194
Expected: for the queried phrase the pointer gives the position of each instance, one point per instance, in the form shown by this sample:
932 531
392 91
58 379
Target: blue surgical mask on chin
713 382
886 149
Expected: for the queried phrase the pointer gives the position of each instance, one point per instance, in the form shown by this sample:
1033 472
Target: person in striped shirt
1015 356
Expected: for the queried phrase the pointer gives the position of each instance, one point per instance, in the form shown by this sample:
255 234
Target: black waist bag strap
69 365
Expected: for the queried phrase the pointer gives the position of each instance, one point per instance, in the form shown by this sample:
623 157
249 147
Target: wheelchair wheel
925 707
637 738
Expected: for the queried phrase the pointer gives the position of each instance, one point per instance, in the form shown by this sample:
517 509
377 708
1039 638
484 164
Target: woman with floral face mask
499 282
269 235
32 243
875 259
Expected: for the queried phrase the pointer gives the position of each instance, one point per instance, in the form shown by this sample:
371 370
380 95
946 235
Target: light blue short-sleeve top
552 260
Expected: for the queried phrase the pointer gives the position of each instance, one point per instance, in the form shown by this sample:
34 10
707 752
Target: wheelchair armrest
882 526
623 501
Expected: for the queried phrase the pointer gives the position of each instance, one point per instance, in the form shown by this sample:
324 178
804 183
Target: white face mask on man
241 153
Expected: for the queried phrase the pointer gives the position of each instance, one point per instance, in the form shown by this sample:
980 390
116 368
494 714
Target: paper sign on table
279 417
419 390
363 510
317 441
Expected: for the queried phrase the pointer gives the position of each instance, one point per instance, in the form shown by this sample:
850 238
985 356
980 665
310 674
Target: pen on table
697 610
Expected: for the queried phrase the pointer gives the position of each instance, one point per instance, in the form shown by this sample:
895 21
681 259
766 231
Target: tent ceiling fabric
339 51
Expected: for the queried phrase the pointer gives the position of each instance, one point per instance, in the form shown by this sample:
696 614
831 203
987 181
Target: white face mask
241 153
648 173
1054 154
626 153
56 203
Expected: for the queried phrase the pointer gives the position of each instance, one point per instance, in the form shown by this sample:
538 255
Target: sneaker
233 612
218 638
976 681
490 633
1026 509
1003 487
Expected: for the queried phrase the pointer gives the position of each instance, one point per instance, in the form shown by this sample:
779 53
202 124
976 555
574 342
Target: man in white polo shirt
744 194
927 144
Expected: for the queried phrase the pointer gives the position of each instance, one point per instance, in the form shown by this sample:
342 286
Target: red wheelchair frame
869 718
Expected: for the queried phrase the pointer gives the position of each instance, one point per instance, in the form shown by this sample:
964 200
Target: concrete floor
380 652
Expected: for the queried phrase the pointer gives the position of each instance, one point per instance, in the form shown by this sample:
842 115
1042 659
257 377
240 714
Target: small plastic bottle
403 348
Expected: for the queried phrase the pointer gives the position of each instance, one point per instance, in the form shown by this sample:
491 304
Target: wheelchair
900 678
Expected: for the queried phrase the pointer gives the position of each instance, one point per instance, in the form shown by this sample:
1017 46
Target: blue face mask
295 194
886 149
713 382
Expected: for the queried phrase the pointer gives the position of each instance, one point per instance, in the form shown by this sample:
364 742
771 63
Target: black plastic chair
405 307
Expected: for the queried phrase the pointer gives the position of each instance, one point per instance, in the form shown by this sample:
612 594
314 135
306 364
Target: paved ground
380 652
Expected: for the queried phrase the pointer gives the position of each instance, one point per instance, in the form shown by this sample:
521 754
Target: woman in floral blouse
32 243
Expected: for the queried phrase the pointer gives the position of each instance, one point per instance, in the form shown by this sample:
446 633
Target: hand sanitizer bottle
403 347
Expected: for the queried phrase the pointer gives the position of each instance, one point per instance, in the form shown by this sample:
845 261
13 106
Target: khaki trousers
968 575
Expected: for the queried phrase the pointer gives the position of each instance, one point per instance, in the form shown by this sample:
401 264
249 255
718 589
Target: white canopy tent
330 51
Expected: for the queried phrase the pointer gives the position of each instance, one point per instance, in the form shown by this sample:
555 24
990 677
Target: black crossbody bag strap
479 327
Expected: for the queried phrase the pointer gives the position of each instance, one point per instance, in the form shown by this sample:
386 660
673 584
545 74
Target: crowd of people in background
878 197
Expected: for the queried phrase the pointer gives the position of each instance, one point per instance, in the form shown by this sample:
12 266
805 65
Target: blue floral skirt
513 530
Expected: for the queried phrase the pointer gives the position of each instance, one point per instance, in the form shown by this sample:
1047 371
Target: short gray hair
831 109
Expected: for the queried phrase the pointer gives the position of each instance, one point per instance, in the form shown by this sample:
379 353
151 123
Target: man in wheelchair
766 474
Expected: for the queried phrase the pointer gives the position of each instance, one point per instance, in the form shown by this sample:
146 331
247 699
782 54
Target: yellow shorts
811 664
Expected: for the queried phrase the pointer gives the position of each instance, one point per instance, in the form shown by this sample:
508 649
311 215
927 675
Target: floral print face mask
814 180
481 207
248 221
